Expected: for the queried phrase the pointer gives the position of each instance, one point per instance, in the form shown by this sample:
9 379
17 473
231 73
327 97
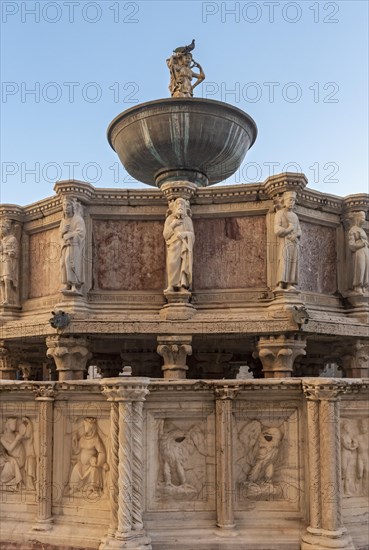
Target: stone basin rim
171 101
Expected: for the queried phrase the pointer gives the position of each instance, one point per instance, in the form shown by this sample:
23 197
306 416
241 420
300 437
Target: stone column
70 354
8 363
326 530
278 353
126 444
179 237
45 396
224 460
174 351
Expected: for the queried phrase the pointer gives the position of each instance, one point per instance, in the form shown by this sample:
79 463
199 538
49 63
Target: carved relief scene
355 456
182 460
87 470
266 462
18 464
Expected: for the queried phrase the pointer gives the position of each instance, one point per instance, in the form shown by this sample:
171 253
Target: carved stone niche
70 354
174 351
18 467
278 353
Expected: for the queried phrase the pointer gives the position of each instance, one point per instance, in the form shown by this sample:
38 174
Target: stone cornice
240 193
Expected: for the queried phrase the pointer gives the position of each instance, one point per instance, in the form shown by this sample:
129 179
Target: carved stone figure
348 453
179 236
17 458
180 65
359 245
256 455
287 228
362 438
176 447
73 234
9 253
88 472
268 447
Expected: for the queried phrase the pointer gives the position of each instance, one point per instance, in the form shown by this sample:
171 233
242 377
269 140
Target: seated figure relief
89 468
17 455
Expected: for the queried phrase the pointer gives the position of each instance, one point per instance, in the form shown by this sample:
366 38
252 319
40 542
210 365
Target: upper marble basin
179 135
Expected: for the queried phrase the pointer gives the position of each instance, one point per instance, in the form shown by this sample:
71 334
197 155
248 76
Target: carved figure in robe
73 234
362 438
180 66
179 236
87 476
359 245
9 254
17 459
349 445
287 228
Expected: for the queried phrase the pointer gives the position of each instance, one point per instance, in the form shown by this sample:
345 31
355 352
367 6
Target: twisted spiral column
125 469
137 466
114 459
45 396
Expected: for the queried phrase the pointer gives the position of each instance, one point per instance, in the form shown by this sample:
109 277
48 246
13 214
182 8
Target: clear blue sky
88 61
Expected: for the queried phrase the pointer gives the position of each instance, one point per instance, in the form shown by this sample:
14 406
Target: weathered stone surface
44 265
128 255
230 253
318 258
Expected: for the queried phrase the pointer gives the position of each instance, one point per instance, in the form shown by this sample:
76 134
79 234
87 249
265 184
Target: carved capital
122 390
174 351
324 389
45 392
70 354
178 189
280 183
354 203
226 392
278 354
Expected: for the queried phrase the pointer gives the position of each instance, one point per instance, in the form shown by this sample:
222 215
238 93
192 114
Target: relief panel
267 465
128 255
19 455
44 263
229 253
355 456
182 461
316 275
81 454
